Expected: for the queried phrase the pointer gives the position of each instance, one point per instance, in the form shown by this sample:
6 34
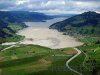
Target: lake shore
38 33
48 38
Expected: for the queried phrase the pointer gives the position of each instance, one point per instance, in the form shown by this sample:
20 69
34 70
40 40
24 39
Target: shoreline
39 34
52 38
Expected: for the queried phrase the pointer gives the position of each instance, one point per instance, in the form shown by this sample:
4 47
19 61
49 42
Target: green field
34 60
88 39
15 38
38 60
92 51
92 61
88 63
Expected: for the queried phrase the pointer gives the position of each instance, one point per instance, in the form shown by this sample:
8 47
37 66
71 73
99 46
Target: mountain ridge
12 21
87 23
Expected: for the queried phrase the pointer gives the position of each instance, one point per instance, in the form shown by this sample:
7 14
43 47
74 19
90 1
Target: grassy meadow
35 60
38 60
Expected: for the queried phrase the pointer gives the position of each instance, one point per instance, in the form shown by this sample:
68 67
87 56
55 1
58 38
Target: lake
38 33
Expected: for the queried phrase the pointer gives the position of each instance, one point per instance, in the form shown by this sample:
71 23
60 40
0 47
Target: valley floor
36 60
52 54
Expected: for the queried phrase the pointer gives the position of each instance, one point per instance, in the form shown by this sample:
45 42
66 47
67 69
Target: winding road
67 63
8 47
86 56
11 46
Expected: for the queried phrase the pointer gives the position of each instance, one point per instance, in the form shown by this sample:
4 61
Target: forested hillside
87 23
12 21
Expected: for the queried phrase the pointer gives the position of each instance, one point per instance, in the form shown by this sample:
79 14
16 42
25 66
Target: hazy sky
51 6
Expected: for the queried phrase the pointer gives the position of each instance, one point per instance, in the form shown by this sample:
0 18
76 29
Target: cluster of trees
97 42
94 64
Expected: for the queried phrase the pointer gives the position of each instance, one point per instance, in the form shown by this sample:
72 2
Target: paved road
8 47
86 56
67 63
11 46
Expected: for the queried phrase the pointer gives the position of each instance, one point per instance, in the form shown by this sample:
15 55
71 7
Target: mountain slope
12 21
87 23
22 16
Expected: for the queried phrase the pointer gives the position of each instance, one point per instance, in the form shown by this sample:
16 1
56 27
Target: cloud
88 0
51 6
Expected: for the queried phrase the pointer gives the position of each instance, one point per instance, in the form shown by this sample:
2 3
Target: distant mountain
22 16
64 15
87 23
12 21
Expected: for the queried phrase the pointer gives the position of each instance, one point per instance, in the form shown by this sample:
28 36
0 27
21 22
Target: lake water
44 24
38 33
